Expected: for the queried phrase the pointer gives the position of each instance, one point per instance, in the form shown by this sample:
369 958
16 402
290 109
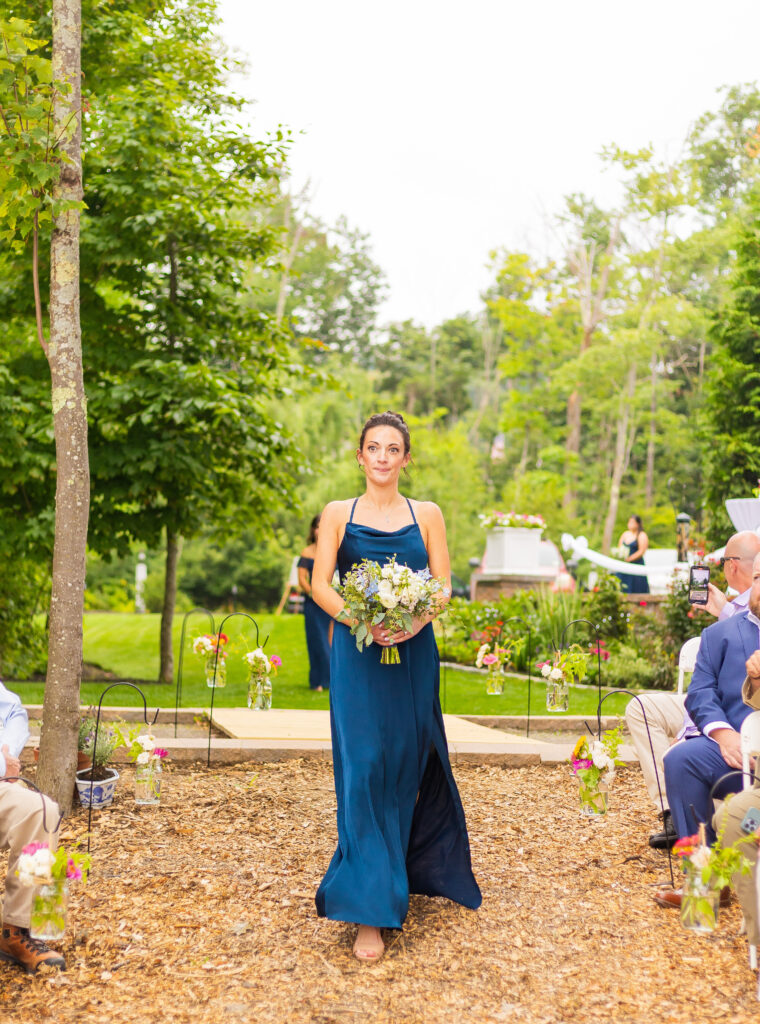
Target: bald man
665 712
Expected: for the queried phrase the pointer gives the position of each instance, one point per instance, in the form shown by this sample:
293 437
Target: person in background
666 712
635 540
318 623
22 821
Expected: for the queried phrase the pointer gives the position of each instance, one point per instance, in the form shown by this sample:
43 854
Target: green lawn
127 645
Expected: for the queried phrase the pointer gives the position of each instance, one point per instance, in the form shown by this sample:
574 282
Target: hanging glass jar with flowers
593 763
260 667
209 647
706 871
49 873
568 664
149 761
495 657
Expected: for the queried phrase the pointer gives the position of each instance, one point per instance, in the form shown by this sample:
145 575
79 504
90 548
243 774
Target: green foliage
606 607
733 382
30 154
681 620
153 595
24 590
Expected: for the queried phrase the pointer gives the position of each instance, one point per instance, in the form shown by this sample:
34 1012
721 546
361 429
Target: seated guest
665 712
716 706
21 822
729 817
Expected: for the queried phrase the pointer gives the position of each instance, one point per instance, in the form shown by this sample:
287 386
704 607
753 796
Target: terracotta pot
83 761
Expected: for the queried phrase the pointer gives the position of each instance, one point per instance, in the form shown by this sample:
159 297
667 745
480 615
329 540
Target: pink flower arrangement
275 661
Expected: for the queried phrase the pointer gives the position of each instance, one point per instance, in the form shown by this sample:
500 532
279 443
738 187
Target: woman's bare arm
642 543
331 526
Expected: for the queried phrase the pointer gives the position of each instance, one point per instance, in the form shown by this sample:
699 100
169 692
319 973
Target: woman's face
633 526
383 455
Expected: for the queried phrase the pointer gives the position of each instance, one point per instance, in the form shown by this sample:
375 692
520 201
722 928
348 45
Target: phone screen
699 577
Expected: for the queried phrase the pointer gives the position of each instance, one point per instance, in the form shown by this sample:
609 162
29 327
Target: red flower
690 615
596 589
643 604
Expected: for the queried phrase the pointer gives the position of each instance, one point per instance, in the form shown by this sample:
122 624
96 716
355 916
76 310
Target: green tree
733 383
41 181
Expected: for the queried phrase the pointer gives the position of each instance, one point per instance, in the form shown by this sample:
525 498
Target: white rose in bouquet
385 592
482 652
555 674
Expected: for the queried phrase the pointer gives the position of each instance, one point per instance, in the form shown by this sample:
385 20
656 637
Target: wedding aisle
202 911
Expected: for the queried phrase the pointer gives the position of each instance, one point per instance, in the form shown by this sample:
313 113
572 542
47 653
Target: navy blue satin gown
317 623
633 584
401 826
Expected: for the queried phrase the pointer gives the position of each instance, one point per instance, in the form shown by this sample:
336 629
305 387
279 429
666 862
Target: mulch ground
202 911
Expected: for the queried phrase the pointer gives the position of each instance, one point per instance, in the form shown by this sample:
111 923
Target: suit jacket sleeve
703 698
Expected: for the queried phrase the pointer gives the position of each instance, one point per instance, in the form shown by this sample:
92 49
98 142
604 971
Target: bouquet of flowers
593 763
38 865
391 594
495 519
569 663
260 666
494 657
49 874
206 646
621 553
149 761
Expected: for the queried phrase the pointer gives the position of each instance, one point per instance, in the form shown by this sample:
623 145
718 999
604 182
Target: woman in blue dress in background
635 540
316 621
401 826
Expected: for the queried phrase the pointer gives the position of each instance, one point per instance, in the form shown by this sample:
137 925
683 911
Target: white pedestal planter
512 549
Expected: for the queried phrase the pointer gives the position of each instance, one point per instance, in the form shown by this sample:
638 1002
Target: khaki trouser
665 717
21 823
731 814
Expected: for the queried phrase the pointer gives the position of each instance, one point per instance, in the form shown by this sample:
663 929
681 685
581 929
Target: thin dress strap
351 517
414 518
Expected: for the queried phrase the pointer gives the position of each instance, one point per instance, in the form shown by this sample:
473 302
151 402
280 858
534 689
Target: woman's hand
384 638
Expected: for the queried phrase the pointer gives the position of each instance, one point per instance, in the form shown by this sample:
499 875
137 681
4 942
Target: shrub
607 608
24 593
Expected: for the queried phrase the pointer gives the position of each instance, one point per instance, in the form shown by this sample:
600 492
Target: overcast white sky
447 129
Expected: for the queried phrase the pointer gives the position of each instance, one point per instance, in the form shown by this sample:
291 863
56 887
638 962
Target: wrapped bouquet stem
390 595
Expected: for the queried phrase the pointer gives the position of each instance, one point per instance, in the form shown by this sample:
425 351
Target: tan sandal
369 952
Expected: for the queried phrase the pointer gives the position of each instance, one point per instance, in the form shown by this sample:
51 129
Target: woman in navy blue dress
636 541
401 827
316 621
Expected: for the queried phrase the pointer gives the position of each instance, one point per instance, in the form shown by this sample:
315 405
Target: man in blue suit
714 701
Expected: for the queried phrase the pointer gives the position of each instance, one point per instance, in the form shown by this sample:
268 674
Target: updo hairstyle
387 419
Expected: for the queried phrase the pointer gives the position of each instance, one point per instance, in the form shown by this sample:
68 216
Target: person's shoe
667 837
18 947
673 897
368 948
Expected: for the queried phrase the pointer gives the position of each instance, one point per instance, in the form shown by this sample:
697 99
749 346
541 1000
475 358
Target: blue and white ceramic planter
100 792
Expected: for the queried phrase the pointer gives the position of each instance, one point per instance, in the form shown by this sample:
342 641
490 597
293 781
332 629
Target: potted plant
568 664
96 785
86 731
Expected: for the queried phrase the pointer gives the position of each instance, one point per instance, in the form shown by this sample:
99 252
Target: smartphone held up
699 579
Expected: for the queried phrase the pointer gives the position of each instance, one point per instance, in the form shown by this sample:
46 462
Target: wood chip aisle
202 911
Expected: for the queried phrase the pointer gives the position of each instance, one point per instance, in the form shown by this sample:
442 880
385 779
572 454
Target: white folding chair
687 659
750 744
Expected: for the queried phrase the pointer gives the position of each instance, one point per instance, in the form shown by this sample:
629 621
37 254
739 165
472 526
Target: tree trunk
649 492
173 548
60 715
622 455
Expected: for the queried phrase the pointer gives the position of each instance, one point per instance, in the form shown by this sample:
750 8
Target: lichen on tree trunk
60 717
